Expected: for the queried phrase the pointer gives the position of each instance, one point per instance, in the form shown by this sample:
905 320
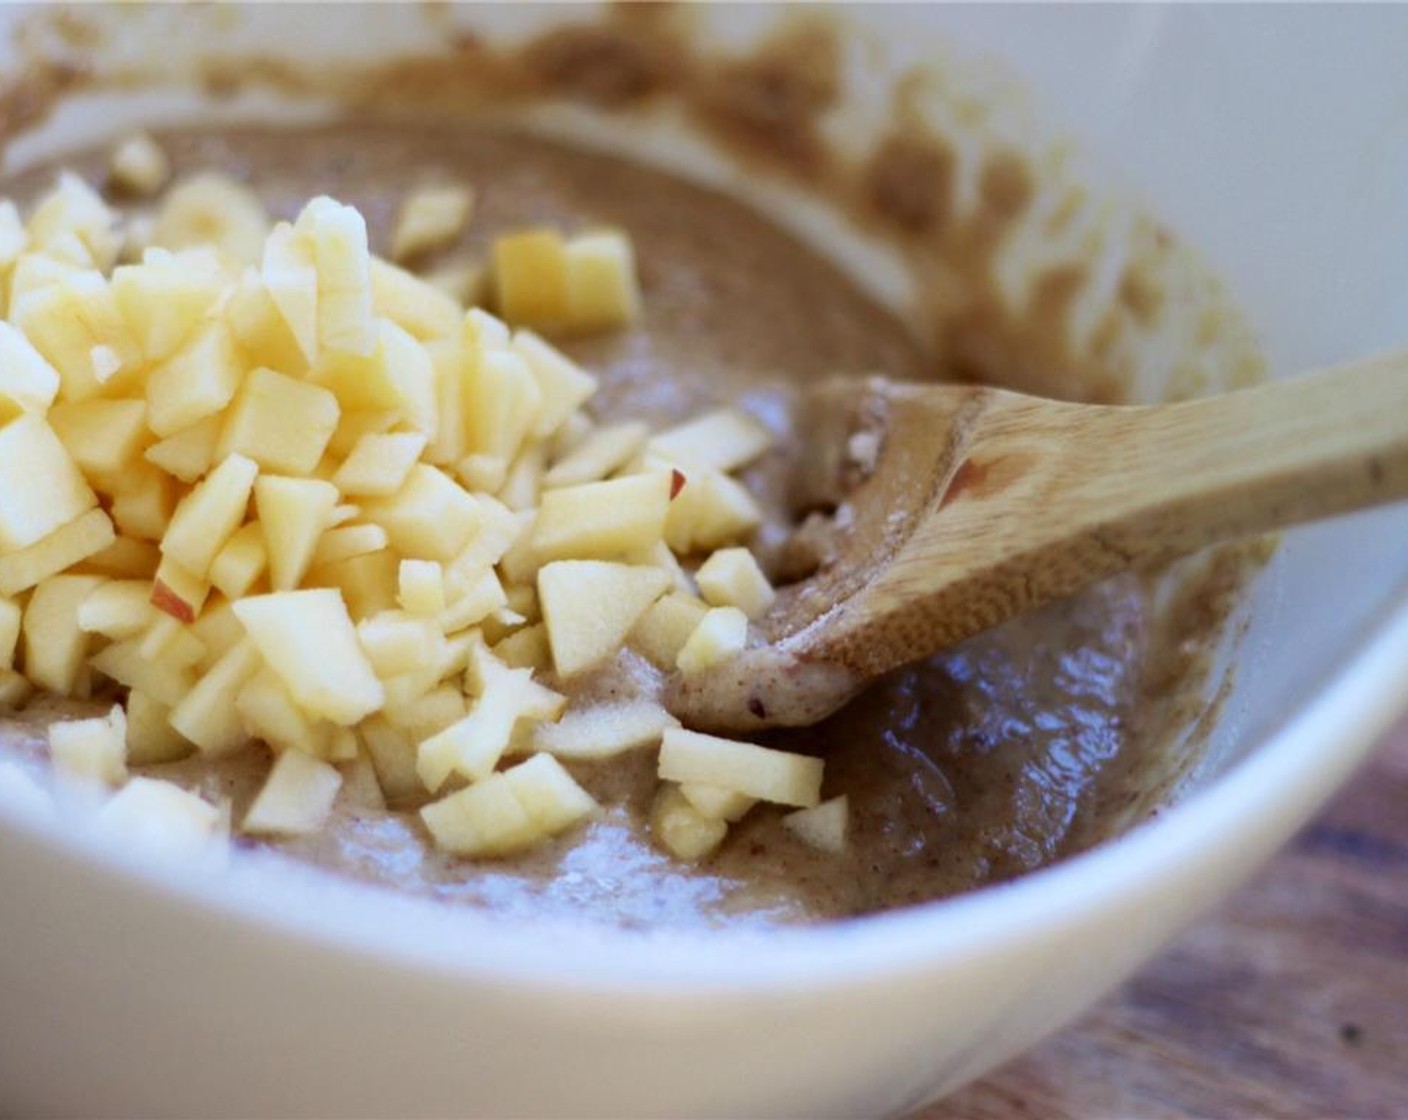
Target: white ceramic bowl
1273 138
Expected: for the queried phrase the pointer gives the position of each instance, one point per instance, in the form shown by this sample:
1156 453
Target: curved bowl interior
1273 139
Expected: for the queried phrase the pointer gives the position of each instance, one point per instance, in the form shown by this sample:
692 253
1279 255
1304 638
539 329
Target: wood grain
1292 1002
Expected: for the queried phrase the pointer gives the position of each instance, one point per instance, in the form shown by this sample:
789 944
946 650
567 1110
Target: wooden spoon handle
1045 498
1177 477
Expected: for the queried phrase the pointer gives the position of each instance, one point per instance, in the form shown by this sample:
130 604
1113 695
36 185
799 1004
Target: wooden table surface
1292 1001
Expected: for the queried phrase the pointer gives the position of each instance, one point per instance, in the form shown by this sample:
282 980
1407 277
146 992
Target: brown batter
1003 755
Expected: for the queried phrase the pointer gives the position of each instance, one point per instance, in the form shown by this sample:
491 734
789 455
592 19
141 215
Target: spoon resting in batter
954 508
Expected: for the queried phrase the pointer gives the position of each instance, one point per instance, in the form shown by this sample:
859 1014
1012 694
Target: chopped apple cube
283 424
526 649
422 587
823 826
207 714
44 488
160 819
602 520
175 591
151 739
54 644
447 445
411 303
260 328
524 481
712 511
26 376
379 464
603 730
683 830
564 385
67 321
601 453
430 714
717 802
590 606
65 547
197 381
550 796
354 424
123 662
731 578
73 208
308 639
294 513
395 642
367 582
769 775
268 712
290 276
189 453
664 629
473 746
296 798
138 165
430 218
347 541
722 440
116 610
343 261
144 500
431 517
92 749
164 298
397 374
172 642
239 564
530 278
720 634
10 616
482 473
213 209
502 401
102 436
473 603
486 819
602 290
209 515
393 753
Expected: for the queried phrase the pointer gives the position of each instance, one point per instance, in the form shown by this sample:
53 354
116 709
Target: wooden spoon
959 507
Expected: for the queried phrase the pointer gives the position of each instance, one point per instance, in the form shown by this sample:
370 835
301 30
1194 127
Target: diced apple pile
279 489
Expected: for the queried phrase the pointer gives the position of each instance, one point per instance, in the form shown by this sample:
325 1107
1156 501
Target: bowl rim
1278 785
